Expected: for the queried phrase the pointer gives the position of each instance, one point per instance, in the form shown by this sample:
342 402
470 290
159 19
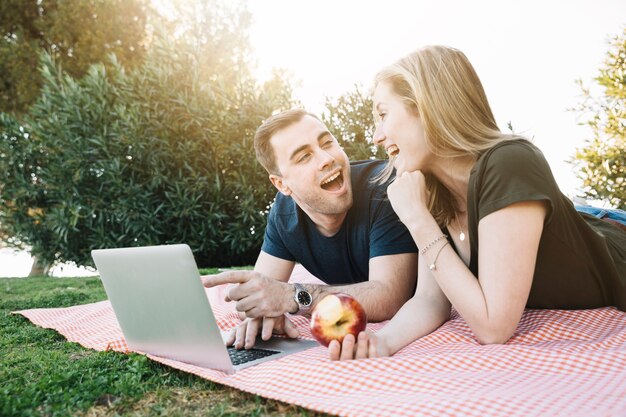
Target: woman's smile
393 151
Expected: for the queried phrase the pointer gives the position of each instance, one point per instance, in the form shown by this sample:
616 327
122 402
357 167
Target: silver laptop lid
161 305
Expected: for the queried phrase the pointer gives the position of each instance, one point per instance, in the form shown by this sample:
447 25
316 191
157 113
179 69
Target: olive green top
581 261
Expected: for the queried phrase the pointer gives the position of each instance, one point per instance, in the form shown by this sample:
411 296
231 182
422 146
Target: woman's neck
454 173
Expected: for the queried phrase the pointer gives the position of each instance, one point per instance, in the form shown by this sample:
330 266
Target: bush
351 121
161 154
601 162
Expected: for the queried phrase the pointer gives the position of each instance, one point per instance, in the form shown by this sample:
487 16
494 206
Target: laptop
162 308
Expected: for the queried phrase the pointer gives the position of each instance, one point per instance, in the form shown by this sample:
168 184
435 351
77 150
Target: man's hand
256 295
244 335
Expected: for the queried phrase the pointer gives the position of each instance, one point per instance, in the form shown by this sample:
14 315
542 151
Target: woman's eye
327 144
382 115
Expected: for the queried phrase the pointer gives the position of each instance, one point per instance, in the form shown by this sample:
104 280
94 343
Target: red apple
335 316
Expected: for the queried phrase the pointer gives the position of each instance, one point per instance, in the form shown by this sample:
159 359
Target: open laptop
162 308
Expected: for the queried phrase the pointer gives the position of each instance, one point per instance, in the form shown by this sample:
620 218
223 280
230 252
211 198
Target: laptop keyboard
239 356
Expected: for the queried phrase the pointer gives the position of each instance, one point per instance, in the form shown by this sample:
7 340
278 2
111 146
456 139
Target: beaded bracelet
431 244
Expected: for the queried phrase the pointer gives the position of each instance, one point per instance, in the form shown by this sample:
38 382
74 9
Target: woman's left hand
366 345
409 196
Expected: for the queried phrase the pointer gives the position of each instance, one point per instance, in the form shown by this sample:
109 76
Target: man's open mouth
333 183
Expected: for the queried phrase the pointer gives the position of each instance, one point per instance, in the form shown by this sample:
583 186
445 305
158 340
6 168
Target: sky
528 55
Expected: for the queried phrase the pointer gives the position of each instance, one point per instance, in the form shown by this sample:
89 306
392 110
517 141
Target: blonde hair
440 84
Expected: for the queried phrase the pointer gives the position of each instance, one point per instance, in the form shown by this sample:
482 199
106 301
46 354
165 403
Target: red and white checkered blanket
558 363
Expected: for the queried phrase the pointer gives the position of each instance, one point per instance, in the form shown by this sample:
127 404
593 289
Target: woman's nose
379 136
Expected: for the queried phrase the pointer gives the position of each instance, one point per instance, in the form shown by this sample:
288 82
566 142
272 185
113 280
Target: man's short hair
264 152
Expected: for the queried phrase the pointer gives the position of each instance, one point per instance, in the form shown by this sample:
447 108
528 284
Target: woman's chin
396 165
402 167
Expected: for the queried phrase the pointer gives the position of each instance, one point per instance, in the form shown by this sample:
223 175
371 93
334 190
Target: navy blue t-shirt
371 228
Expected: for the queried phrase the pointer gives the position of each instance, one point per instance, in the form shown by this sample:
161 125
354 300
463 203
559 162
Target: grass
42 374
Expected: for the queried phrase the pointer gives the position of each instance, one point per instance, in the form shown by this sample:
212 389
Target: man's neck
327 224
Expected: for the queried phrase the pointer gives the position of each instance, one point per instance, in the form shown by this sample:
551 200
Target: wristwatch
303 298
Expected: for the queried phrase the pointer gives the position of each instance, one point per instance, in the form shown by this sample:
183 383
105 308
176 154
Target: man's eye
304 157
382 115
327 144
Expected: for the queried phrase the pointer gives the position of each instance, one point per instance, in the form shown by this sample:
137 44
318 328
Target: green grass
41 374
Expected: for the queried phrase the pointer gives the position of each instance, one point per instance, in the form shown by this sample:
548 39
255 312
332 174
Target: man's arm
391 281
276 268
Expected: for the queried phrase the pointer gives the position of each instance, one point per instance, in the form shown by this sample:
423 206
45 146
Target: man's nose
325 159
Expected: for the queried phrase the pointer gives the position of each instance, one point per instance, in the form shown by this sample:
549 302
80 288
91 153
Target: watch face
304 298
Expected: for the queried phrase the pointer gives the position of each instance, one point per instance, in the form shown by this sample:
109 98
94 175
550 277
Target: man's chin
348 202
341 206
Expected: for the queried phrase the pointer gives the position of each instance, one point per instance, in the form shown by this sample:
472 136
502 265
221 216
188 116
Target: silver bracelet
432 266
431 244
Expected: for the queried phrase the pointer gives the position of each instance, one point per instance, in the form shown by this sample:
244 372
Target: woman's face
399 131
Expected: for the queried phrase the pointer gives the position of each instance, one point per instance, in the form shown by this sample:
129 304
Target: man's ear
277 181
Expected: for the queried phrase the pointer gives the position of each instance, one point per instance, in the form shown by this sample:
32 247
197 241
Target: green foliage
44 375
350 120
76 33
602 161
158 154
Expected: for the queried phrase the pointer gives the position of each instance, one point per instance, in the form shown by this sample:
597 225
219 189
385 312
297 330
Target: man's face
314 169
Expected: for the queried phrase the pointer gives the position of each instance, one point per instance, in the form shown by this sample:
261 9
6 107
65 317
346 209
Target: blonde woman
495 234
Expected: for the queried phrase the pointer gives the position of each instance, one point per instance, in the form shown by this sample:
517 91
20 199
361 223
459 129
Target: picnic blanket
558 363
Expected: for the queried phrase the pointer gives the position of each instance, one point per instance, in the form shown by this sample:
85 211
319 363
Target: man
330 217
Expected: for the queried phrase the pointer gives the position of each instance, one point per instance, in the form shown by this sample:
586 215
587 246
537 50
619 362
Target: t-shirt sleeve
273 243
514 173
388 235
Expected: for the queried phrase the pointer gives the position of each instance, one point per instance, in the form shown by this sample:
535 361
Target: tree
157 154
76 33
349 118
601 162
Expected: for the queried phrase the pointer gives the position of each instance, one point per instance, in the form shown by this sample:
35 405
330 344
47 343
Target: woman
495 233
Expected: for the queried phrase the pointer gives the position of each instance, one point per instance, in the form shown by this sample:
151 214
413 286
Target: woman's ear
280 185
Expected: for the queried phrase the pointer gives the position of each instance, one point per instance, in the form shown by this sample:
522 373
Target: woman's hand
409 196
367 346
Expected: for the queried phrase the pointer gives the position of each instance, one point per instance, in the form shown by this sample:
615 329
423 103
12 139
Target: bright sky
528 55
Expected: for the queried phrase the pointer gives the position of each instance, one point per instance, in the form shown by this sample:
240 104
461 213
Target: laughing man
328 216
